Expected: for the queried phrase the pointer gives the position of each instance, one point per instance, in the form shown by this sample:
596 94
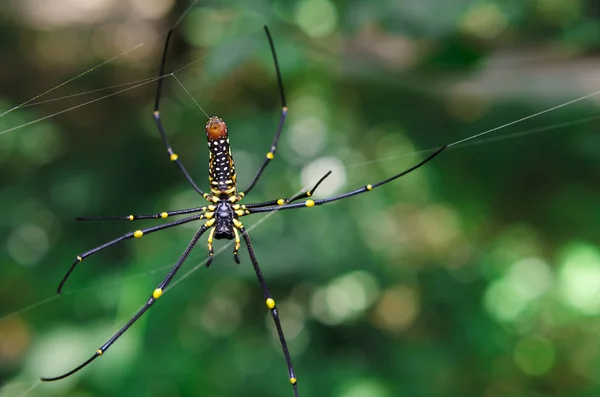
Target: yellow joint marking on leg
285 108
130 217
241 195
210 223
369 187
79 258
209 215
174 157
281 202
138 234
156 113
237 241
309 203
240 212
215 199
293 381
99 352
211 208
237 224
270 156
270 303
210 236
236 206
205 195
164 215
309 193
157 293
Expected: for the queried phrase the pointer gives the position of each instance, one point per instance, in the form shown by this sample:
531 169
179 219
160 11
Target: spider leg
236 258
271 154
210 247
367 188
158 215
136 234
271 305
156 115
281 201
153 297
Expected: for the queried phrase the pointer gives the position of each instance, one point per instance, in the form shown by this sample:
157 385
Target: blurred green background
477 275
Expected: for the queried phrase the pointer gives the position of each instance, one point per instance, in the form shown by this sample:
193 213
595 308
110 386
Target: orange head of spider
216 128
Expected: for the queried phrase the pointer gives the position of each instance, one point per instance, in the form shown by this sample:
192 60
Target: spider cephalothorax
225 226
224 216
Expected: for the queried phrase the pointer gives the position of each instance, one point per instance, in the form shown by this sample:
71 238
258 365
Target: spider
222 213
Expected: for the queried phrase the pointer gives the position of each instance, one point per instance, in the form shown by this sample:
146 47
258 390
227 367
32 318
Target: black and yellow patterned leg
284 110
210 247
157 293
236 249
270 302
253 209
158 215
282 201
157 120
136 234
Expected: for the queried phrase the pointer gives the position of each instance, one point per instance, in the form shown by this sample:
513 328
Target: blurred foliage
477 275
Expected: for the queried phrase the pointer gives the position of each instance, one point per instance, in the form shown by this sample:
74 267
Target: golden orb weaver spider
222 213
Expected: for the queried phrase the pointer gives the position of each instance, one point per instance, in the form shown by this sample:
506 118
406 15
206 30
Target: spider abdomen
221 168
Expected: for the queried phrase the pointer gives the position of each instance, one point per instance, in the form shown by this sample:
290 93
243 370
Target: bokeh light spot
365 388
397 309
57 13
526 280
558 11
344 298
312 172
152 9
531 277
317 17
221 315
534 355
202 28
466 101
27 244
308 136
14 339
579 278
485 19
